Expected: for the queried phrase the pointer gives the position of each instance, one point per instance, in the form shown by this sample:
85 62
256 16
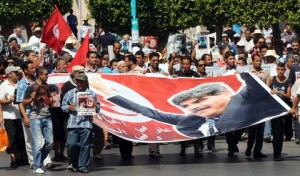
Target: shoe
201 148
50 166
135 144
213 149
198 155
182 153
236 149
70 166
259 155
230 153
56 158
98 157
72 169
297 142
155 155
84 171
248 152
107 145
38 171
127 157
22 162
13 165
63 158
278 158
288 139
268 139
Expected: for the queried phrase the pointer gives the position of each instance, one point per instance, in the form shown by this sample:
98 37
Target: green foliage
156 17
15 12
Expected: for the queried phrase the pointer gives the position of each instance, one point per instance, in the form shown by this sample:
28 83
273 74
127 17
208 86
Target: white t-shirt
11 110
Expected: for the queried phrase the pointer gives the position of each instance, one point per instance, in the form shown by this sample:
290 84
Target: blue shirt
74 120
22 86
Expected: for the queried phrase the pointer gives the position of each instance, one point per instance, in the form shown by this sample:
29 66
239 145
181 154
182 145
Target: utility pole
134 24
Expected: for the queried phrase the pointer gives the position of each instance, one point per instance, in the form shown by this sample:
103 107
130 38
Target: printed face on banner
210 105
167 109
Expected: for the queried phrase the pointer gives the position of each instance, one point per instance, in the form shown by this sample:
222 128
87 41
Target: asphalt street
171 164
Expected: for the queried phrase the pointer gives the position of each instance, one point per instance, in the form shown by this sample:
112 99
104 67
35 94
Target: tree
156 17
16 12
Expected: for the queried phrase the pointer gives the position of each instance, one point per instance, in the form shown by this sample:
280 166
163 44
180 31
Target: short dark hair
12 38
28 52
228 54
52 88
281 64
153 54
187 58
197 62
132 58
204 56
25 65
253 56
140 53
263 46
112 61
39 71
243 59
90 52
255 40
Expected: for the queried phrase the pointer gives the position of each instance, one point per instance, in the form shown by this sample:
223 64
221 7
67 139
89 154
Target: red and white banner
56 31
149 109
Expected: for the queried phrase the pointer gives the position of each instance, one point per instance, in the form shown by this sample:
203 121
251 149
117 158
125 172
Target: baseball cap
82 77
11 69
78 68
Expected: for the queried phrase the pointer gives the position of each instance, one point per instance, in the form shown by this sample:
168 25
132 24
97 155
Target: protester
72 22
11 116
36 101
79 127
280 86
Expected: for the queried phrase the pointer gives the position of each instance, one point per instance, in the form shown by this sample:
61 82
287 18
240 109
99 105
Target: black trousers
277 130
126 147
58 121
256 135
288 126
15 134
98 140
232 139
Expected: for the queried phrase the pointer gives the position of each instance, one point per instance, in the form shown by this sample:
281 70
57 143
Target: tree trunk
276 39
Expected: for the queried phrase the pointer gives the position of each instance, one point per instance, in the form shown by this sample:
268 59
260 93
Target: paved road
173 165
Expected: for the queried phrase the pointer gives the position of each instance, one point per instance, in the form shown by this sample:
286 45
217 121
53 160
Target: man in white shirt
84 28
36 38
18 35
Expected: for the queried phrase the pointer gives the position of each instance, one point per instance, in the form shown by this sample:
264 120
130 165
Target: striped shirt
74 120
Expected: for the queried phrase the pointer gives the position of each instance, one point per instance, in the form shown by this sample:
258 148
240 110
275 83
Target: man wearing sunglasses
37 107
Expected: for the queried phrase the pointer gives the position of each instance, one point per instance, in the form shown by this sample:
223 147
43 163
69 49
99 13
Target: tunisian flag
56 32
80 57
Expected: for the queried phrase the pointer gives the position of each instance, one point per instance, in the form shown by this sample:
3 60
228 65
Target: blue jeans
41 128
79 141
267 131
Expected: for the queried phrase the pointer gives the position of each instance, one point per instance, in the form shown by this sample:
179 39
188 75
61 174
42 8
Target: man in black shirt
186 68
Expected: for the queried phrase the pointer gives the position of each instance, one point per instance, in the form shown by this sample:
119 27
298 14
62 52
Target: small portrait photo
202 43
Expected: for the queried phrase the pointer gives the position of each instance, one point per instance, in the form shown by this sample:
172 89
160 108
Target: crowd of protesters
35 125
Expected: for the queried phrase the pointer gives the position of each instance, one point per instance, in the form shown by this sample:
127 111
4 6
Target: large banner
146 108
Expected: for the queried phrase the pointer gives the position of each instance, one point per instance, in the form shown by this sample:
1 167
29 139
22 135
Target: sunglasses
201 65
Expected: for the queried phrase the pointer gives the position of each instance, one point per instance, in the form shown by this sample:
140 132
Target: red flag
80 57
56 32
